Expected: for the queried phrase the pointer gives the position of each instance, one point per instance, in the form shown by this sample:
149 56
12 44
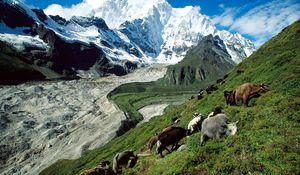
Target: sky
257 20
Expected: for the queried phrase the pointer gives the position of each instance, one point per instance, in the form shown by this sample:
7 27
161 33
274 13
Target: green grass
134 96
268 135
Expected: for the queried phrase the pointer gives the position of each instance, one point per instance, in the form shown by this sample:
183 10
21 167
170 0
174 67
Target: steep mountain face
165 31
145 35
59 49
204 64
12 67
127 34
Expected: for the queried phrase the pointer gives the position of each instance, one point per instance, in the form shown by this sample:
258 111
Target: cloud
261 22
84 8
226 19
221 6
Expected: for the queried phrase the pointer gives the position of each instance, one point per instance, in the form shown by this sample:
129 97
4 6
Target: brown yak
211 88
170 136
152 141
229 97
102 169
247 91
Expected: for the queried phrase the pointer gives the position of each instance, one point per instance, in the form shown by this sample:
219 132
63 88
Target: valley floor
46 121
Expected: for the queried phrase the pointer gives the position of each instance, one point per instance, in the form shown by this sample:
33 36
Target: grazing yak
211 88
247 91
102 169
220 81
240 71
217 126
175 120
200 94
201 91
199 97
195 123
217 110
229 97
125 159
170 136
152 141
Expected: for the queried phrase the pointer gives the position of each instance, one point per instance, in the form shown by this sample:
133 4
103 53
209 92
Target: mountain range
114 38
202 65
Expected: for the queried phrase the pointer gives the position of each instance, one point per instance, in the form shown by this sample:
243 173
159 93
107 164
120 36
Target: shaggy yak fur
247 91
211 88
229 96
244 93
217 110
125 159
195 123
217 126
152 141
102 169
170 136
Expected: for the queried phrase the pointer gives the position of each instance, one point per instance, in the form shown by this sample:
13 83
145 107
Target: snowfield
42 122
20 42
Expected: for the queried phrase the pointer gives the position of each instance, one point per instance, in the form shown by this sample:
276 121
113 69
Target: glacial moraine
46 121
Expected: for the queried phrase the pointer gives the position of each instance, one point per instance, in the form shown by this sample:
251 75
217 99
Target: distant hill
202 65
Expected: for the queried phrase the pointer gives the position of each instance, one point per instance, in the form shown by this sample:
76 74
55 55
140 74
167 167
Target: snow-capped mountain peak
136 30
179 28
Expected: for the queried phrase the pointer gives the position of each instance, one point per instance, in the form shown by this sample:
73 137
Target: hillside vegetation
202 65
132 97
268 135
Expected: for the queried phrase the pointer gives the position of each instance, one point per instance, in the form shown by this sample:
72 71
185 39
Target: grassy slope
202 66
131 97
268 138
181 81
